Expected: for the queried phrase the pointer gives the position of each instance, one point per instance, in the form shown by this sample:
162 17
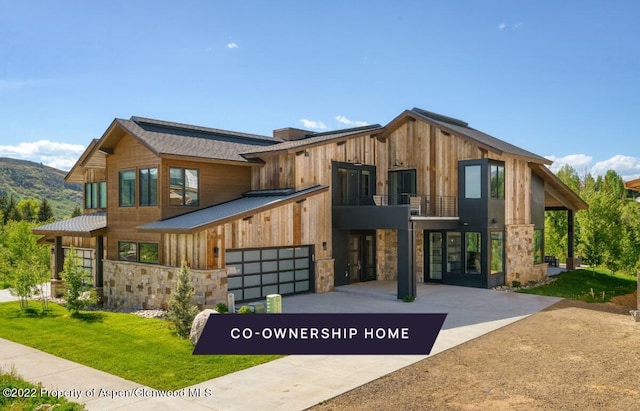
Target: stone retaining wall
134 286
324 275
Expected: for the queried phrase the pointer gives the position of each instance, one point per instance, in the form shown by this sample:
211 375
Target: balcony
419 206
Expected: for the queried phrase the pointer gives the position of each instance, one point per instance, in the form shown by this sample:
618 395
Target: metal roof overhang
222 213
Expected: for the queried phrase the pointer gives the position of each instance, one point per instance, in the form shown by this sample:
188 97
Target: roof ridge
184 126
440 117
344 130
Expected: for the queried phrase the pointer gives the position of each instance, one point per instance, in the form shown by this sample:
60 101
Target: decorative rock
198 324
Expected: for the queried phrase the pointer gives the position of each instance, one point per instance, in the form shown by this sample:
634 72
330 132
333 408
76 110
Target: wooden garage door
257 272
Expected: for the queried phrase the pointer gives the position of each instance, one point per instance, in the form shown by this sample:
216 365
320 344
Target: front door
434 256
362 257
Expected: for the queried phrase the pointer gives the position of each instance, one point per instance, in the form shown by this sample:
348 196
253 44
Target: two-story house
423 198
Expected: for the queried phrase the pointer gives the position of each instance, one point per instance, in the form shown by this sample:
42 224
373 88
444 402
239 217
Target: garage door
258 272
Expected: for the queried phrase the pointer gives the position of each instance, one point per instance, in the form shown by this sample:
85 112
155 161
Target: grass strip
143 350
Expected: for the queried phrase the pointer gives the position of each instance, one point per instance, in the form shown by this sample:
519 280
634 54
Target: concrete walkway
295 382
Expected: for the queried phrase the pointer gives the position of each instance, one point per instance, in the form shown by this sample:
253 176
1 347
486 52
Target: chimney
289 134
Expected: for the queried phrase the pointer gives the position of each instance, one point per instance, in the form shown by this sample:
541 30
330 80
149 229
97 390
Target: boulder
198 324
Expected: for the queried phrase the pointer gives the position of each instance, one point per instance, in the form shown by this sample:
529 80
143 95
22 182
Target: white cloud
319 125
518 24
344 120
59 155
627 167
232 46
502 26
578 162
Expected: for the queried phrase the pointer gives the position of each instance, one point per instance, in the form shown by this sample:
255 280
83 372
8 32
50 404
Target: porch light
356 162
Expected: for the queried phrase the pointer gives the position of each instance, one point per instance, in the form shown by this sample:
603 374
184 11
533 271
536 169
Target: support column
99 256
570 240
58 264
407 263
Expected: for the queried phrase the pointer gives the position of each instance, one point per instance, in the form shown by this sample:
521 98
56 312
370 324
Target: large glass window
538 247
95 195
183 186
148 186
497 252
402 186
497 182
353 185
473 181
128 188
138 252
473 244
454 252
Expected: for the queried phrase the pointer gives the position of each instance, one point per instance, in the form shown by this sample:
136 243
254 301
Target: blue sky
559 78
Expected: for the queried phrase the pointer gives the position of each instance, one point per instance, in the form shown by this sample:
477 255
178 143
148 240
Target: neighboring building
424 198
633 189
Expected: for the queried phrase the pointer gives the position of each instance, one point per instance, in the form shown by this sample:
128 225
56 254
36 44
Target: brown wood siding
217 183
128 154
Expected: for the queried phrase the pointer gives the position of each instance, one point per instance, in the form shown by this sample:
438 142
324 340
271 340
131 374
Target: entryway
362 256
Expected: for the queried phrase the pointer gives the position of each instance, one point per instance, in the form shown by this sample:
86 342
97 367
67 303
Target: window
183 187
127 188
538 246
402 185
473 182
353 185
473 243
138 252
148 186
454 252
497 182
95 195
497 252
148 253
85 257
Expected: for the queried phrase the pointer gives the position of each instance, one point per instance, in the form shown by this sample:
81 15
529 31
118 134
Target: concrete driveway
297 382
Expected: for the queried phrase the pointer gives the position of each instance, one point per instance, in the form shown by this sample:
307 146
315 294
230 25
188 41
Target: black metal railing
419 205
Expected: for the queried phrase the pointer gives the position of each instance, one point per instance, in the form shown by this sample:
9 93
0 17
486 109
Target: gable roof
312 139
250 203
632 184
164 138
88 225
557 194
461 128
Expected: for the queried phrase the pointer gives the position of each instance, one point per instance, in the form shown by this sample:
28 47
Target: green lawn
139 349
25 396
577 285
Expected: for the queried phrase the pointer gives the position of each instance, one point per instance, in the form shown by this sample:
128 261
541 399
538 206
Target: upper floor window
473 181
353 184
128 188
183 186
148 186
497 182
95 195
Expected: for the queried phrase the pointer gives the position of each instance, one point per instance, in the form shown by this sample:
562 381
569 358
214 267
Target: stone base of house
134 286
324 275
519 250
387 255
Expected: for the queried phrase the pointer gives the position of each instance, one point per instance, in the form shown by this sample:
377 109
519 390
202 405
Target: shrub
221 308
245 309
516 284
181 311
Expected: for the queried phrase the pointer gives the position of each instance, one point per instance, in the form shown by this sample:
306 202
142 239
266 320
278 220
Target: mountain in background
26 179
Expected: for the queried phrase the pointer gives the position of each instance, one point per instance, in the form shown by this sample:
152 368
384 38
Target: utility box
231 302
274 304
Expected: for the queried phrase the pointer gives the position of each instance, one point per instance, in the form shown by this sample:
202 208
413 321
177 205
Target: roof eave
201 227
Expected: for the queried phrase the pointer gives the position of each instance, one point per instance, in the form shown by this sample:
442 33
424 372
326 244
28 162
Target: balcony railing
420 206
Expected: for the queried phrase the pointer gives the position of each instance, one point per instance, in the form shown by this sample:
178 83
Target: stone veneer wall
324 275
134 286
420 256
387 254
519 252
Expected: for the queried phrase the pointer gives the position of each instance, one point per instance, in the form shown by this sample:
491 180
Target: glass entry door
362 257
434 256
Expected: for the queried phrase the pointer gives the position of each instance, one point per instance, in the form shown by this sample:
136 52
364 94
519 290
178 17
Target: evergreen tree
45 213
77 211
181 311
